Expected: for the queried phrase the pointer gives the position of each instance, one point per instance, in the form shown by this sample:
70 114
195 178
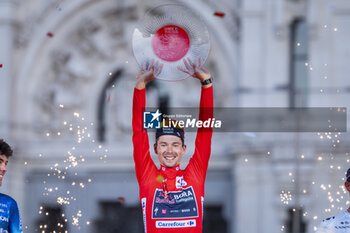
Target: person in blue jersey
10 221
341 222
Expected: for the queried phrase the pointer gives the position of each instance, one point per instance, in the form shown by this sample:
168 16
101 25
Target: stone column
14 180
6 13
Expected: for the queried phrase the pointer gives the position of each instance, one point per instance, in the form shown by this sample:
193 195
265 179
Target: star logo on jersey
180 182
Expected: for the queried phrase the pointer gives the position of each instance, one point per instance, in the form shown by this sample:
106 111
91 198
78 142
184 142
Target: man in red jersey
171 198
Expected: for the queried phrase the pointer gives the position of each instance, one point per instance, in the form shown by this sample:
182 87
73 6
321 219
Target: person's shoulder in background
340 221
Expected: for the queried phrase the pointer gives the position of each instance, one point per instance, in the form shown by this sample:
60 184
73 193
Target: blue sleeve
15 225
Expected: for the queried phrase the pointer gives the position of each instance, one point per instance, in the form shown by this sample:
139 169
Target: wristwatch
207 81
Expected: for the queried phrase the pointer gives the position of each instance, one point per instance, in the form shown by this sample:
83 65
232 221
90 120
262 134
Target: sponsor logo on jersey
143 203
4 219
343 225
176 224
176 204
162 198
202 200
184 196
180 182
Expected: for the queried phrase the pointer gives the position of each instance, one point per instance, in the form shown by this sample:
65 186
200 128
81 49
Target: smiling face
3 167
169 149
347 186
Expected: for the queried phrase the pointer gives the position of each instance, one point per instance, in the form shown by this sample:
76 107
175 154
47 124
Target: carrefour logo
180 182
176 224
191 223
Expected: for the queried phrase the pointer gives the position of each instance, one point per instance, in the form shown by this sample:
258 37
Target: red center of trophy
171 43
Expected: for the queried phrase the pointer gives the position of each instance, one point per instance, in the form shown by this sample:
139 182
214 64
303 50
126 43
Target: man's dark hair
5 149
348 175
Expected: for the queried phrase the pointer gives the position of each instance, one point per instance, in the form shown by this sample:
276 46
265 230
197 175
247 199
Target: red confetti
121 200
219 14
50 34
0 65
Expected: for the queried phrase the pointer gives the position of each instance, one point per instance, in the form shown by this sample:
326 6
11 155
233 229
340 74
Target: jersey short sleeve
10 221
337 224
15 225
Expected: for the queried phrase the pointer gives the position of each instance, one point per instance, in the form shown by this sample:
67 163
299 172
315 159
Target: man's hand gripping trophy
150 71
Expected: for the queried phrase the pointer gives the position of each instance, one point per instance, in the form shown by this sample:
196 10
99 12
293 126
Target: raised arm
204 135
142 157
200 158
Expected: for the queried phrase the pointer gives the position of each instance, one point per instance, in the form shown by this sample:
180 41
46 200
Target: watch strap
207 81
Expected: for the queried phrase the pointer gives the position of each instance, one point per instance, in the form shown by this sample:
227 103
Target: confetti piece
108 98
0 65
121 200
219 14
50 34
160 178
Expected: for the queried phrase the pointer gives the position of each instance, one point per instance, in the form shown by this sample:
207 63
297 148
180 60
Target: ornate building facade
66 88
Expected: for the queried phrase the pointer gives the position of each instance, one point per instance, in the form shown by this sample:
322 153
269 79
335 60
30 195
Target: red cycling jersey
171 198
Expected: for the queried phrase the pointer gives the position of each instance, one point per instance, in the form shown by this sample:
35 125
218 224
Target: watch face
205 82
168 34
